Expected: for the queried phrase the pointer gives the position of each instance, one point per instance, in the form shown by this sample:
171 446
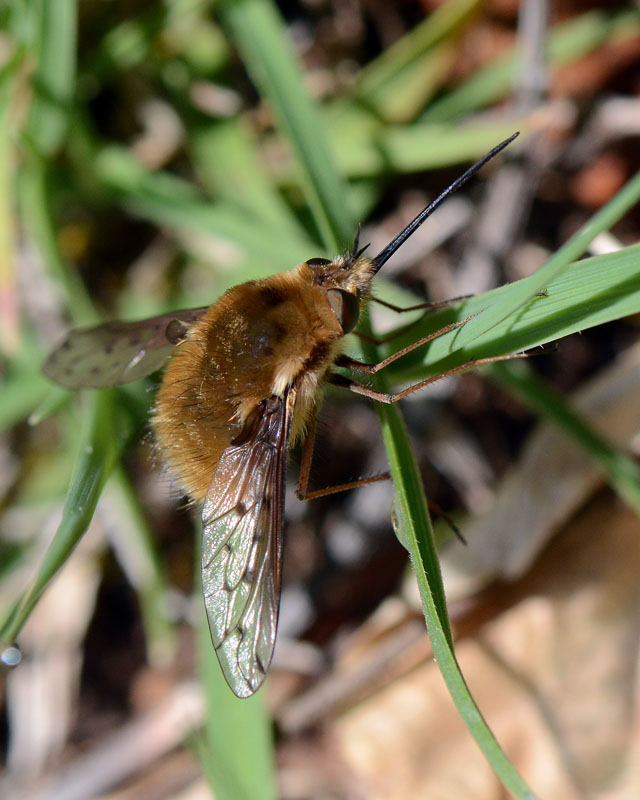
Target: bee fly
241 388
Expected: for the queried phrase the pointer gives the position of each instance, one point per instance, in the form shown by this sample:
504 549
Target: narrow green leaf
403 77
365 148
22 392
568 42
40 225
141 564
54 78
266 49
170 201
588 293
525 290
416 534
8 278
226 155
98 455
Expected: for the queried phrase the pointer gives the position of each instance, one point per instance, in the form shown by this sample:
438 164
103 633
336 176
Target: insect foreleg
361 366
390 398
426 306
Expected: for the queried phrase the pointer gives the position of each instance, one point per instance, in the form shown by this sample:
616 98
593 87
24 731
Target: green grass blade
54 78
266 49
141 564
568 42
364 148
413 526
176 204
22 392
418 534
411 515
99 453
226 156
524 290
622 472
588 293
8 278
399 82
39 223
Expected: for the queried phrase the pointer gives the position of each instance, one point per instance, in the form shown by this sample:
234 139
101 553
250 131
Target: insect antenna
385 254
357 251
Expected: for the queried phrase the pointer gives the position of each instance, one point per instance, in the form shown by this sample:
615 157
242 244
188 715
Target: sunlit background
144 167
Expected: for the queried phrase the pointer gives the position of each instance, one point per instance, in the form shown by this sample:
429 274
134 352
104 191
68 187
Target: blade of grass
568 42
135 549
413 526
418 534
526 289
403 77
365 148
170 201
54 78
24 387
9 302
388 69
588 293
622 472
22 392
38 221
97 458
226 156
259 32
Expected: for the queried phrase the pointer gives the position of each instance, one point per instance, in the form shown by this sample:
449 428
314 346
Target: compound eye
318 262
346 308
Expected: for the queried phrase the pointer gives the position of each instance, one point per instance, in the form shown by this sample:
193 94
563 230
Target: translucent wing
118 352
242 545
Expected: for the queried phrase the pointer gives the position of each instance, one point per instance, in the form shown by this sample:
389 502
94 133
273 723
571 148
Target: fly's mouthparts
385 254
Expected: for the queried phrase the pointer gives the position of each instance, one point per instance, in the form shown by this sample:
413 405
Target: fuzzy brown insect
242 386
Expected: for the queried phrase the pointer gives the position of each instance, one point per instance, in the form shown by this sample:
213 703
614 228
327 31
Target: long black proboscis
385 254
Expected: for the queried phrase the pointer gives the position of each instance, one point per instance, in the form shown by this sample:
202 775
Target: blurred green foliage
154 154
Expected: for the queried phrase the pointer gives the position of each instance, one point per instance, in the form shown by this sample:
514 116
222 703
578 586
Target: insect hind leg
302 492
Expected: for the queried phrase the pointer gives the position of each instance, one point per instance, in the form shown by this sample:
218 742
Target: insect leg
361 366
307 457
391 398
343 487
426 306
305 471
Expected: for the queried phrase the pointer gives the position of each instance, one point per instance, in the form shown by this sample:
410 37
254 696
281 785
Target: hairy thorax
258 339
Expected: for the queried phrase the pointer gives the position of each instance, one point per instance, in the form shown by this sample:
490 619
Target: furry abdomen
254 342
